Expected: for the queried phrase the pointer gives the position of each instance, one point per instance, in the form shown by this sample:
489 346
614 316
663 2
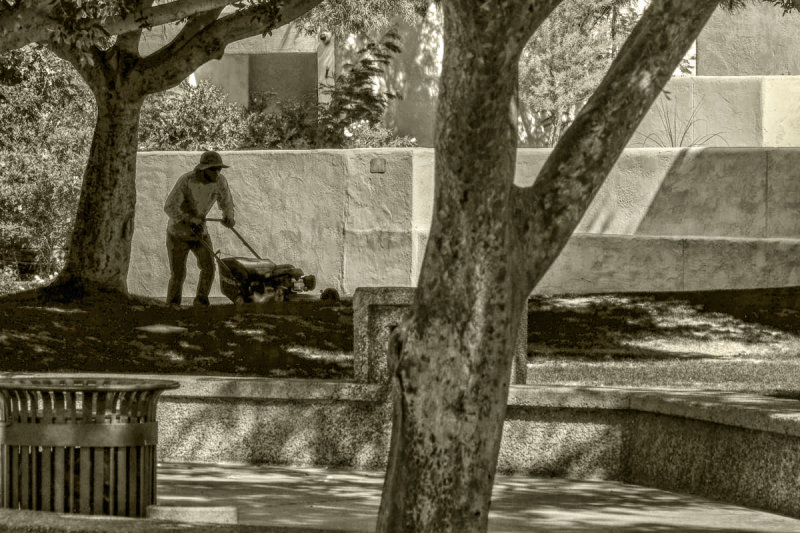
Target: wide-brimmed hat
210 159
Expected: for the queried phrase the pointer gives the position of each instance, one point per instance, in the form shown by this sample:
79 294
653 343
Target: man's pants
178 249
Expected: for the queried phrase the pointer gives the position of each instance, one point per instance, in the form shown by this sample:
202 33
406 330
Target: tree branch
537 12
91 74
32 22
193 26
518 19
128 42
545 214
172 64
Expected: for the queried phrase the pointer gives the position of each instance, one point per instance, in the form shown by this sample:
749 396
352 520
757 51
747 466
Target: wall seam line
345 212
766 194
683 264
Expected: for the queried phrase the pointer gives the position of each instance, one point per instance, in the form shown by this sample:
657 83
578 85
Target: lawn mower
247 279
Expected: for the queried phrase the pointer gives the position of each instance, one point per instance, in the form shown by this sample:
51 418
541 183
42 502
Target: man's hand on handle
228 222
196 225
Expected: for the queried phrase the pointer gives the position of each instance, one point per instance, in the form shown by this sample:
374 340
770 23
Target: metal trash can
79 445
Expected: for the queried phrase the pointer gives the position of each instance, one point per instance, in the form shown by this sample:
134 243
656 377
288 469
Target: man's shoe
201 301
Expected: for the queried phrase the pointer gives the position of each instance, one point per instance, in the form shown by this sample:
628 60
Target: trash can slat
85 480
24 477
33 453
70 473
98 478
47 483
122 482
58 478
133 476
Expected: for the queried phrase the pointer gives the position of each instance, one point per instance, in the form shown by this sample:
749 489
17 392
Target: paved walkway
348 500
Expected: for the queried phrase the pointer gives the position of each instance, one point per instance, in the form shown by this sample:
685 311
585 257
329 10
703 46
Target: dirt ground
743 340
293 339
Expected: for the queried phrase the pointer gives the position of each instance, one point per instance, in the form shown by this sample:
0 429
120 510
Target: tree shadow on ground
291 339
314 339
321 497
655 326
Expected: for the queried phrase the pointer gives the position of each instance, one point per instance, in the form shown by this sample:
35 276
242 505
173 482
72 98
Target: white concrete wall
757 39
323 211
665 219
724 111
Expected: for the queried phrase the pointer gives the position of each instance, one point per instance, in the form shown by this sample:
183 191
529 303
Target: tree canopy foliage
565 60
360 17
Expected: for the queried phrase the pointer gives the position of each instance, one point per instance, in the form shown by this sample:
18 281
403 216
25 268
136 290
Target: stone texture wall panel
717 192
605 263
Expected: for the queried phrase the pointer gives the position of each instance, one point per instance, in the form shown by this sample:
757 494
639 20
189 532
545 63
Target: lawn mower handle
238 235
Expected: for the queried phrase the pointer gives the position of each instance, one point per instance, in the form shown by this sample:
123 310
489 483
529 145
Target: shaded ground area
734 340
349 500
293 339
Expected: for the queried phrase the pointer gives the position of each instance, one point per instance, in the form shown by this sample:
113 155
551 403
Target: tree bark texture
100 245
452 373
490 243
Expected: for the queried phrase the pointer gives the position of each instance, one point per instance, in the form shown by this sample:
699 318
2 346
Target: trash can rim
91 384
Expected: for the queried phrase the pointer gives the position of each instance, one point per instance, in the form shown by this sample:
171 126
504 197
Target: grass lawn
727 340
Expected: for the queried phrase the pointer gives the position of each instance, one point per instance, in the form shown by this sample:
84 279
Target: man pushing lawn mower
187 206
243 280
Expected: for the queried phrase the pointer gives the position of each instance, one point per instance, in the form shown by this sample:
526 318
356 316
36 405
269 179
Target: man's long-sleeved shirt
193 196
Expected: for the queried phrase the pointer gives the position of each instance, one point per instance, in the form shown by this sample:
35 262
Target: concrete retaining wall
666 219
733 447
736 448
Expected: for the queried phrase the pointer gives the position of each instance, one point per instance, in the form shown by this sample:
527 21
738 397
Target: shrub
46 121
353 98
279 124
362 134
8 280
351 118
198 117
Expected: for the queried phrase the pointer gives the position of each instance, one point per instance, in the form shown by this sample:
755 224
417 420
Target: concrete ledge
748 411
252 389
195 515
42 522
739 448
595 263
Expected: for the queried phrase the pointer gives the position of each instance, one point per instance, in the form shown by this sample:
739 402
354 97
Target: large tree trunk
491 243
452 374
100 246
